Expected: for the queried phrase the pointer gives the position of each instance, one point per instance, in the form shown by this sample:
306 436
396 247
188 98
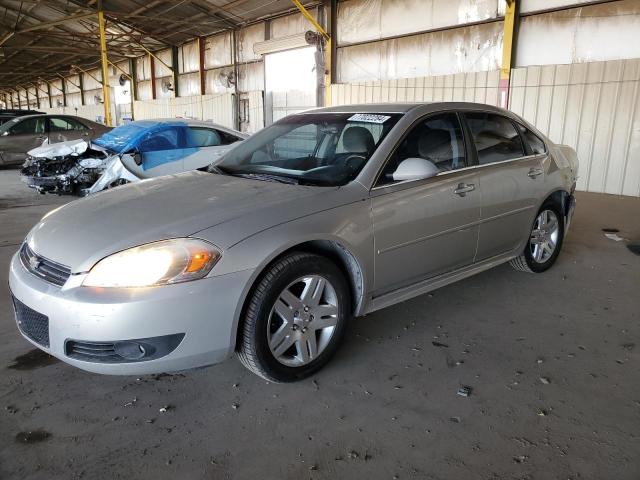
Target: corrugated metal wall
593 107
218 108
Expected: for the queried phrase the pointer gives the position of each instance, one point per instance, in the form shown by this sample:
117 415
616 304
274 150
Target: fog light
130 350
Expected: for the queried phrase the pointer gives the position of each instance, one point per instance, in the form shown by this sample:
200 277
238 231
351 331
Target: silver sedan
325 215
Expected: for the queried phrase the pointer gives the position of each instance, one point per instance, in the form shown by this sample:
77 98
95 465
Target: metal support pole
49 95
175 70
327 49
63 82
508 47
26 92
81 82
105 68
201 70
153 76
236 74
37 98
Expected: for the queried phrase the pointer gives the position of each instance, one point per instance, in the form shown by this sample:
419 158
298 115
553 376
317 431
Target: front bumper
203 310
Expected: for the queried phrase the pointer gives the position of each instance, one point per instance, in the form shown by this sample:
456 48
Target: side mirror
415 169
137 157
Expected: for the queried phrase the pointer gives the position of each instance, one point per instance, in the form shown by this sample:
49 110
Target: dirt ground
553 361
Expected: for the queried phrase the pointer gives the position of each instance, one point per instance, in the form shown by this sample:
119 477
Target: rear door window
204 137
61 124
494 136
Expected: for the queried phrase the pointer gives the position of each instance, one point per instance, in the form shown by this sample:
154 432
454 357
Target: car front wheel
545 241
295 318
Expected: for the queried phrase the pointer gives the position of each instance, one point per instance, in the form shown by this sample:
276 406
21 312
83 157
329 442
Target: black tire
525 262
253 350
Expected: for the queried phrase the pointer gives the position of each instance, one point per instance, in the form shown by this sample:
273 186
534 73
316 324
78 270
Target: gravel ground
552 361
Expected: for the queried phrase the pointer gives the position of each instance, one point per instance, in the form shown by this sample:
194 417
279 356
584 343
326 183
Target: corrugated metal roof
41 38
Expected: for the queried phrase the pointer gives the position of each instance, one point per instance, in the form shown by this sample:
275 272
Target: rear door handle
534 172
464 188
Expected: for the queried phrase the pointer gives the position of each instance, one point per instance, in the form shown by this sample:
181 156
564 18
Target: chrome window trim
471 167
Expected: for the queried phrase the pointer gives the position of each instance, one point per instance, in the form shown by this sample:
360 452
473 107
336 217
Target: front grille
44 268
32 324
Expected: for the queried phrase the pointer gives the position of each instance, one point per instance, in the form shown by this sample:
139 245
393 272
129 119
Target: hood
61 149
82 232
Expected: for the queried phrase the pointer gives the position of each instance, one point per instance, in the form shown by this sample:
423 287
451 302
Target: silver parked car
21 134
324 215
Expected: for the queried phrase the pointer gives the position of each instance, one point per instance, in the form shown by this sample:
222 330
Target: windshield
123 138
313 148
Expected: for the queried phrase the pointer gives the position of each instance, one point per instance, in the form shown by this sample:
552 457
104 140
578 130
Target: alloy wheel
544 236
302 320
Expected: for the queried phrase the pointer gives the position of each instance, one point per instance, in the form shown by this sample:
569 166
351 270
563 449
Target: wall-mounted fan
227 79
122 79
167 86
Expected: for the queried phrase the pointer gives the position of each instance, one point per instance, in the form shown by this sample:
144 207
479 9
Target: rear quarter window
535 143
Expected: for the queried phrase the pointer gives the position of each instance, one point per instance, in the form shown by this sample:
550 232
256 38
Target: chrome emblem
34 263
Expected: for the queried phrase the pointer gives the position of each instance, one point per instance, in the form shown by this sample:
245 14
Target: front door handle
534 172
464 188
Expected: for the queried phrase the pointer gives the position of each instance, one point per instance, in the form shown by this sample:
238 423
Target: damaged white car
129 153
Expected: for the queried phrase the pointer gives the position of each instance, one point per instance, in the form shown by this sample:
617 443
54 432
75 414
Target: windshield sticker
368 118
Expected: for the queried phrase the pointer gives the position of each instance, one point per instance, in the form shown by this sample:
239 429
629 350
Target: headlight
159 263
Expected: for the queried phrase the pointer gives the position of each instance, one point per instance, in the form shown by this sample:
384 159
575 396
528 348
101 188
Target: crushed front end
66 170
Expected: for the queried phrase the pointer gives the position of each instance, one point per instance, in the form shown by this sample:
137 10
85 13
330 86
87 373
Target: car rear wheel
545 241
295 318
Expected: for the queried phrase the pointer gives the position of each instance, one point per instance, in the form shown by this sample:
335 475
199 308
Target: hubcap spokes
302 320
544 236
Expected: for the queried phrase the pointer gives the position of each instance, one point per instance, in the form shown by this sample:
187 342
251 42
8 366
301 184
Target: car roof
404 107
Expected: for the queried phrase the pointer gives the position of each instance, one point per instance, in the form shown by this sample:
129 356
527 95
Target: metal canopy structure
42 39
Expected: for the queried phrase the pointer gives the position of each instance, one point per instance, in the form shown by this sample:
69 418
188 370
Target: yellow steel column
327 51
105 70
507 48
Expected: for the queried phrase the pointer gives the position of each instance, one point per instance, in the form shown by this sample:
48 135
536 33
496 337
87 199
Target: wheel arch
344 259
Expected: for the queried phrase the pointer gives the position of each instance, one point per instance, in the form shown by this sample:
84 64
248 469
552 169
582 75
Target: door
290 82
62 129
27 134
163 152
510 180
424 228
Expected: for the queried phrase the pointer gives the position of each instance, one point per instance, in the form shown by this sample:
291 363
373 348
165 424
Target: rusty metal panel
217 51
593 33
365 20
467 49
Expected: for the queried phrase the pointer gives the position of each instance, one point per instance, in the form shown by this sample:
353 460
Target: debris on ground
166 408
545 380
464 391
614 236
235 406
542 412
455 419
32 436
131 403
520 458
610 230
440 345
353 454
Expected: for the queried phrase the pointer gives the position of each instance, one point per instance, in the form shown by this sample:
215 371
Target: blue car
129 153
